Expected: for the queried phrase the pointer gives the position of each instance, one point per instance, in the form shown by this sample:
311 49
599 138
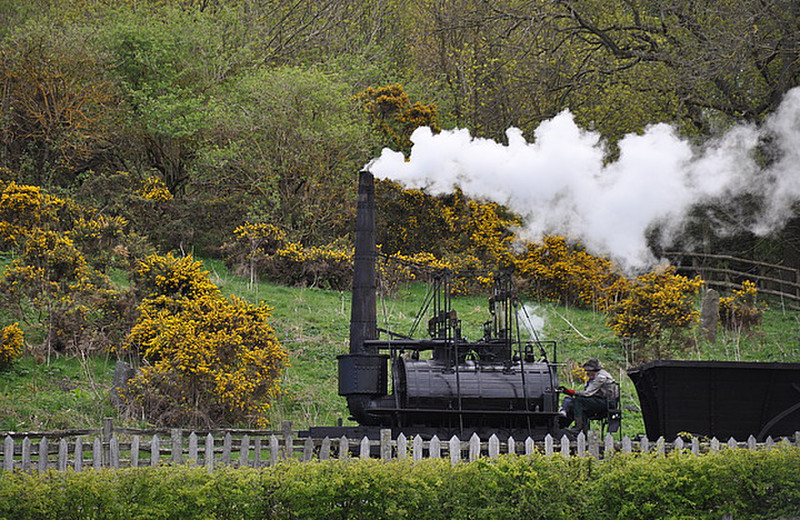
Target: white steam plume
531 321
559 184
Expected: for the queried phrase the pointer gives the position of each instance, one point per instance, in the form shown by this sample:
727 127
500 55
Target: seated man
592 400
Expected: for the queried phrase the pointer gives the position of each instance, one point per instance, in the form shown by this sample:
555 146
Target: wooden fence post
97 453
62 455
193 455
26 454
8 457
227 446
288 440
494 446
455 450
155 453
257 452
402 446
386 444
244 452
435 447
114 452
474 447
135 442
344 447
42 462
548 444
530 446
325 449
107 432
308 450
364 448
417 448
209 452
177 445
78 463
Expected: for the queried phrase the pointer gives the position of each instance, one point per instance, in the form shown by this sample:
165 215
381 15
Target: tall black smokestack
363 320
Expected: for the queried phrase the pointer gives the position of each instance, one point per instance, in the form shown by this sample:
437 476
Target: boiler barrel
495 387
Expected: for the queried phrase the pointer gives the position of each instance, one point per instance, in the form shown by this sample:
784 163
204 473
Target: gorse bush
11 345
57 283
659 305
742 310
557 270
207 360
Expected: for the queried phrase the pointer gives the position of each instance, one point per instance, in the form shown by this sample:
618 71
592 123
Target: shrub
208 360
742 311
11 344
556 270
659 305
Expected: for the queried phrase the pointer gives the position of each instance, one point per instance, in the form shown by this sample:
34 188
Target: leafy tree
394 117
293 142
57 106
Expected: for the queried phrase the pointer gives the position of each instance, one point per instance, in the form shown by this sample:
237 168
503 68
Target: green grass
313 325
67 393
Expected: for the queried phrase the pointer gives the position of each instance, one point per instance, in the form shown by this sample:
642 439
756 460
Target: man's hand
567 391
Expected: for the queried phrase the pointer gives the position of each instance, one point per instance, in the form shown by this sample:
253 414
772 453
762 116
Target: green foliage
744 484
291 140
208 360
67 393
394 117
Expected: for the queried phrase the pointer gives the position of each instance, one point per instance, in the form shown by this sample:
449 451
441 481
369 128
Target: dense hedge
745 484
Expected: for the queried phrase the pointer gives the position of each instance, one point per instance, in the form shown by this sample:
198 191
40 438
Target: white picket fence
117 448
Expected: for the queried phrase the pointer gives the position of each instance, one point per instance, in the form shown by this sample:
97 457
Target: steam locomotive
443 384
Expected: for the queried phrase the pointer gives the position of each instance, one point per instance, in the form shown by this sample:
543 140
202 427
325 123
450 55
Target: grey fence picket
402 446
209 462
41 463
8 454
344 447
435 447
78 464
530 446
325 449
135 441
113 452
155 453
418 447
363 451
26 454
308 450
455 450
97 453
193 456
474 447
494 446
244 452
176 450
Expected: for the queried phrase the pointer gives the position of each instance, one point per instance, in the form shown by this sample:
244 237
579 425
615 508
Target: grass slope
313 325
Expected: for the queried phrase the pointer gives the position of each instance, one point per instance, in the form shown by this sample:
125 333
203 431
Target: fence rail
110 448
728 272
